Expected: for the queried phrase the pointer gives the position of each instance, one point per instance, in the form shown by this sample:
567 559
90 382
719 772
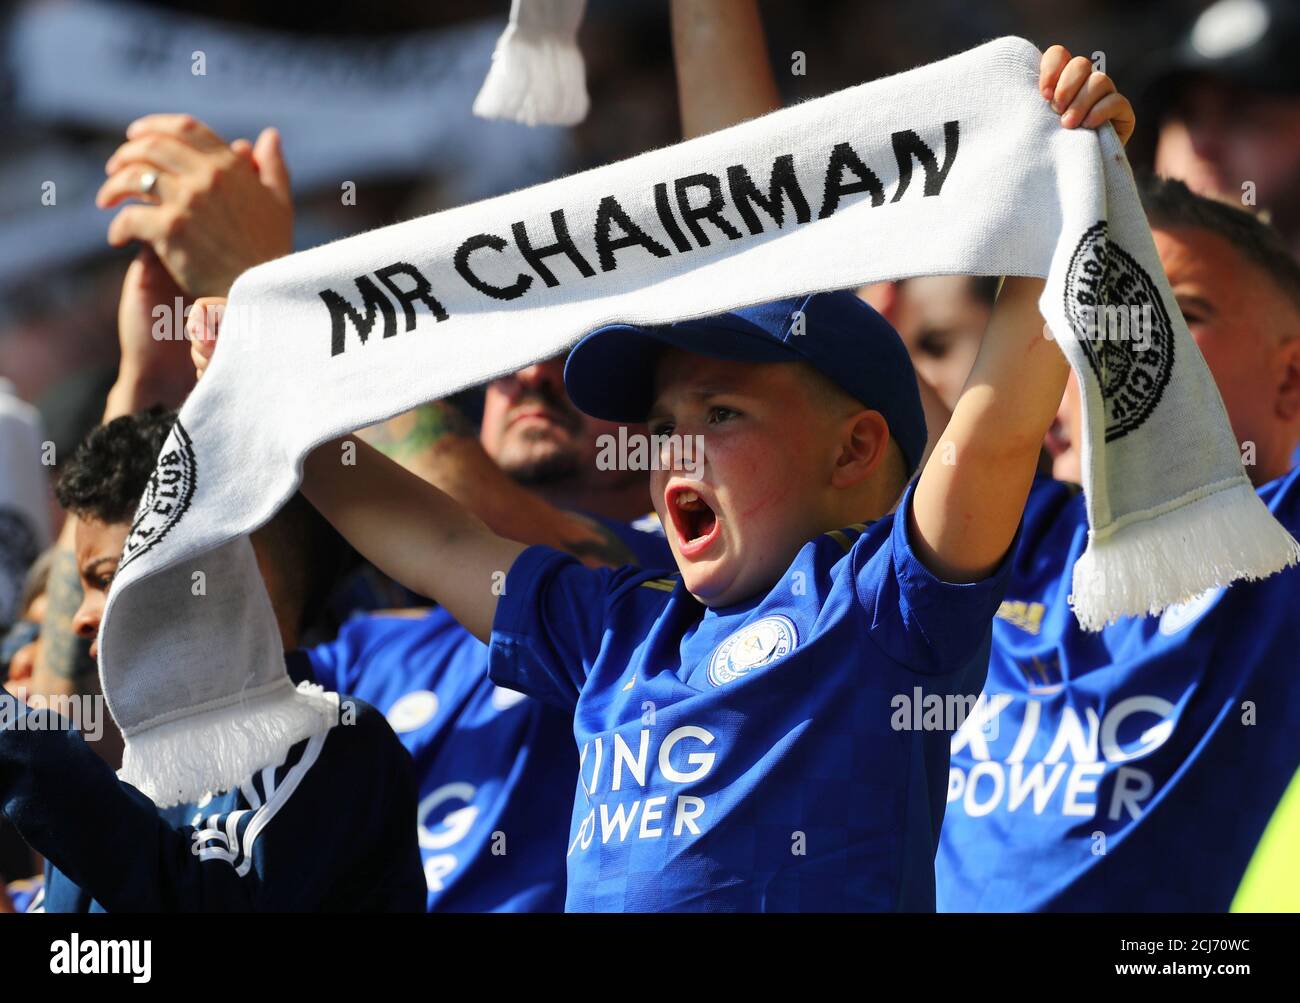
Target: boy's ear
861 449
1288 393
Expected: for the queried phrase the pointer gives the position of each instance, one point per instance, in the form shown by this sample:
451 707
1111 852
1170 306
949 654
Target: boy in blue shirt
737 742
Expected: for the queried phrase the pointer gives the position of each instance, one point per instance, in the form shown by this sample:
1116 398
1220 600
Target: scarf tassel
1145 564
181 760
537 75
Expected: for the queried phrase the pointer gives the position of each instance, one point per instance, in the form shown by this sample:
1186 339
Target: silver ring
148 182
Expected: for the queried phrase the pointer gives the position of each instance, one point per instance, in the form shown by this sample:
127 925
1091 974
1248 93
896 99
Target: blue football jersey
753 757
1133 769
495 767
491 762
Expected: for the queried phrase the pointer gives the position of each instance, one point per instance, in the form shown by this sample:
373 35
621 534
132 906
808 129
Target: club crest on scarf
167 497
1119 317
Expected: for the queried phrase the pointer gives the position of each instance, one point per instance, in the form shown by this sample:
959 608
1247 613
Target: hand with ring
207 209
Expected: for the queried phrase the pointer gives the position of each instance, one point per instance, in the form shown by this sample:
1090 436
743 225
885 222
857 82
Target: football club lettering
611 764
1083 751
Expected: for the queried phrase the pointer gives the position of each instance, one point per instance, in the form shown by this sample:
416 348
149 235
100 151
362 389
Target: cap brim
610 373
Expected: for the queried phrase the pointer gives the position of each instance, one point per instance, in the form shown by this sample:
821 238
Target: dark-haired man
345 792
1136 769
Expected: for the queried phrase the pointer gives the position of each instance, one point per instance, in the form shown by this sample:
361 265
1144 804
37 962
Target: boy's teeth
687 498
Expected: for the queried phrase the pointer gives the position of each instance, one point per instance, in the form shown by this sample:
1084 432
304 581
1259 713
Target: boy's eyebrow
89 569
700 393
1197 302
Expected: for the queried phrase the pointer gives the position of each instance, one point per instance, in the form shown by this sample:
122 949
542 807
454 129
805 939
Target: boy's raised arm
969 500
972 492
409 529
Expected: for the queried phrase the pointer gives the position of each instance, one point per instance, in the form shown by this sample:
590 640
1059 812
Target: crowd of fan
471 810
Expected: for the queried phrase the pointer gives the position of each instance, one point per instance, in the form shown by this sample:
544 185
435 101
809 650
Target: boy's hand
202 326
1081 94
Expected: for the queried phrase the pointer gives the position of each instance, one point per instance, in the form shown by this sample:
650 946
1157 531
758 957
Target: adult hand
154 367
213 210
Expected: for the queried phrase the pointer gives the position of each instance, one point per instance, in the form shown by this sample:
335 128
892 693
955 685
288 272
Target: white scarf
916 174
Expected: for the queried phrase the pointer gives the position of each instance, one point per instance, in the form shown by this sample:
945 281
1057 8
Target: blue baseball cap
610 373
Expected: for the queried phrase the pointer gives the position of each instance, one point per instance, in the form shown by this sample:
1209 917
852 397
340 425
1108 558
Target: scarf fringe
1144 566
536 78
180 761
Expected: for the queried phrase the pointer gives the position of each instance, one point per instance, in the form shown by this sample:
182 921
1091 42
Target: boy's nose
682 452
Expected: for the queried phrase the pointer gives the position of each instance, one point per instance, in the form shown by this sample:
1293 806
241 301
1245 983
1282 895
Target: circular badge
413 710
166 498
752 647
1121 323
1182 615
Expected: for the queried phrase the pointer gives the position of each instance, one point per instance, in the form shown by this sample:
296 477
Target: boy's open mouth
693 519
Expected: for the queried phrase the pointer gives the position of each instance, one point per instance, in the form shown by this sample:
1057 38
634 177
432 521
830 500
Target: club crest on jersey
752 647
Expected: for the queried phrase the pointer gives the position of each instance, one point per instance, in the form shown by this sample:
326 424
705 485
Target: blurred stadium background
379 94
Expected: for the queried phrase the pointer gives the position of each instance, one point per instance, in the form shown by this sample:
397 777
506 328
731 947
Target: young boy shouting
738 723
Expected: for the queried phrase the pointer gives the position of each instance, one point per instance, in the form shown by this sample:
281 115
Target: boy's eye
933 345
718 414
662 428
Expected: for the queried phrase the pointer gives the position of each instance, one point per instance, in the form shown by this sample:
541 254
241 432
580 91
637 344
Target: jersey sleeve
283 854
550 624
920 621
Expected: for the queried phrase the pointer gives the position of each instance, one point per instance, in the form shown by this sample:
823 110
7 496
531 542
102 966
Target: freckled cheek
751 477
